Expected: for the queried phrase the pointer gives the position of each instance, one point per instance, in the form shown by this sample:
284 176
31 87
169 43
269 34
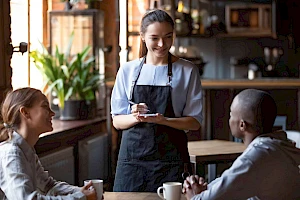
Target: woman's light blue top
185 83
23 176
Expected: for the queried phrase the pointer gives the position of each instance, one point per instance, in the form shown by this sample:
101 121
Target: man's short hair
262 106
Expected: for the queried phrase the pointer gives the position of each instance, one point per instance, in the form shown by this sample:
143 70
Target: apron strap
138 71
169 68
136 76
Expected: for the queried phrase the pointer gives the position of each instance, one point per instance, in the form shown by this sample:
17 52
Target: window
129 32
26 26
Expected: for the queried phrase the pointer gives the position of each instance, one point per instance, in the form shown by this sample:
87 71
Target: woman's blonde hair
10 109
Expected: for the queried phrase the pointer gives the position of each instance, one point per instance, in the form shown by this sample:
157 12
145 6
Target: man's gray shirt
268 169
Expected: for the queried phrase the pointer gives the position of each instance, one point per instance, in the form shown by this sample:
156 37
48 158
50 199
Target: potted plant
72 78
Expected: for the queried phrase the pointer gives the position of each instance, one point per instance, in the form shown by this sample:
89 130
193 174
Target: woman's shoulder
128 69
131 64
9 147
185 62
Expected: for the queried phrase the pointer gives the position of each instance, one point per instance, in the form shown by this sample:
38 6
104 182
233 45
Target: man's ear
243 125
24 112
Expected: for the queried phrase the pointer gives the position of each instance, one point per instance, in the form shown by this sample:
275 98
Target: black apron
151 154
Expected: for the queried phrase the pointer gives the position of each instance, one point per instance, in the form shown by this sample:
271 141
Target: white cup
171 191
98 185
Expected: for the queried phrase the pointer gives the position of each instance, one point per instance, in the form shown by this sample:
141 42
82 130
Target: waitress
154 148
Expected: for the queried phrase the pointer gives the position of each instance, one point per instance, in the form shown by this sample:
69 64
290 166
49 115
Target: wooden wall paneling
2 47
117 33
220 104
5 45
56 5
111 35
111 38
69 133
287 105
206 124
298 108
45 23
217 124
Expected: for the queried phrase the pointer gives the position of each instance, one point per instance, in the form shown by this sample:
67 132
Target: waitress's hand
141 108
152 119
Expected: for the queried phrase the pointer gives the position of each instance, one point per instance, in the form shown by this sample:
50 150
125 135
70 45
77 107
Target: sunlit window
26 26
136 9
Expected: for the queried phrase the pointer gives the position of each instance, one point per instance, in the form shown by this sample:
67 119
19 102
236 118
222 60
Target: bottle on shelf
153 4
196 21
183 20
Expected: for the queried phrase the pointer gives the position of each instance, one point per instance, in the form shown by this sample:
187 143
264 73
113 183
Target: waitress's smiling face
158 38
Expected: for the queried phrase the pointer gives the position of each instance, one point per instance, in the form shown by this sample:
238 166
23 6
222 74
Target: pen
133 103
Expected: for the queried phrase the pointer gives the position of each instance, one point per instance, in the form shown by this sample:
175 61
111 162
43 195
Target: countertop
269 83
272 83
68 133
60 126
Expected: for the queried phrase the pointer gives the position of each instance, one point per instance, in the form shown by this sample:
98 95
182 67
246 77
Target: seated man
270 166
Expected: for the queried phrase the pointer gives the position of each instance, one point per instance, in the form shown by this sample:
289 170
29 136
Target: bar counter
74 137
68 133
264 83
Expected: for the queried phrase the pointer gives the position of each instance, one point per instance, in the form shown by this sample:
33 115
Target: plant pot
78 110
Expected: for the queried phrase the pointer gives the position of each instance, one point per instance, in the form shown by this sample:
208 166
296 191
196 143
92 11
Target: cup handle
159 193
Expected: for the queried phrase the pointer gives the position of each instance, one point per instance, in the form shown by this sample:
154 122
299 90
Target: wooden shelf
177 35
220 35
244 1
133 33
246 34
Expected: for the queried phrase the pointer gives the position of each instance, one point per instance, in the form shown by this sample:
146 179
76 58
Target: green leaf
71 77
68 50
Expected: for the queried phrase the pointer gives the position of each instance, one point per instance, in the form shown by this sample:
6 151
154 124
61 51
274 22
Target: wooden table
133 196
212 152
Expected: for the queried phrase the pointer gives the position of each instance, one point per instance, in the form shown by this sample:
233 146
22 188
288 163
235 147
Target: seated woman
26 114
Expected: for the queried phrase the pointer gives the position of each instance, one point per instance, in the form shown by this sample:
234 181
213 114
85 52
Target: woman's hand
158 118
141 108
89 191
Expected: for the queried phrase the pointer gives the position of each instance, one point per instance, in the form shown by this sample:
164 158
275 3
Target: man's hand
193 185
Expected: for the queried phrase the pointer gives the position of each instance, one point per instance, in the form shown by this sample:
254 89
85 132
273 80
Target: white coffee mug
171 191
98 185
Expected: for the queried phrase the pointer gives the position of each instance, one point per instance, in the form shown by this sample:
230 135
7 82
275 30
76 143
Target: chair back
295 136
280 123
